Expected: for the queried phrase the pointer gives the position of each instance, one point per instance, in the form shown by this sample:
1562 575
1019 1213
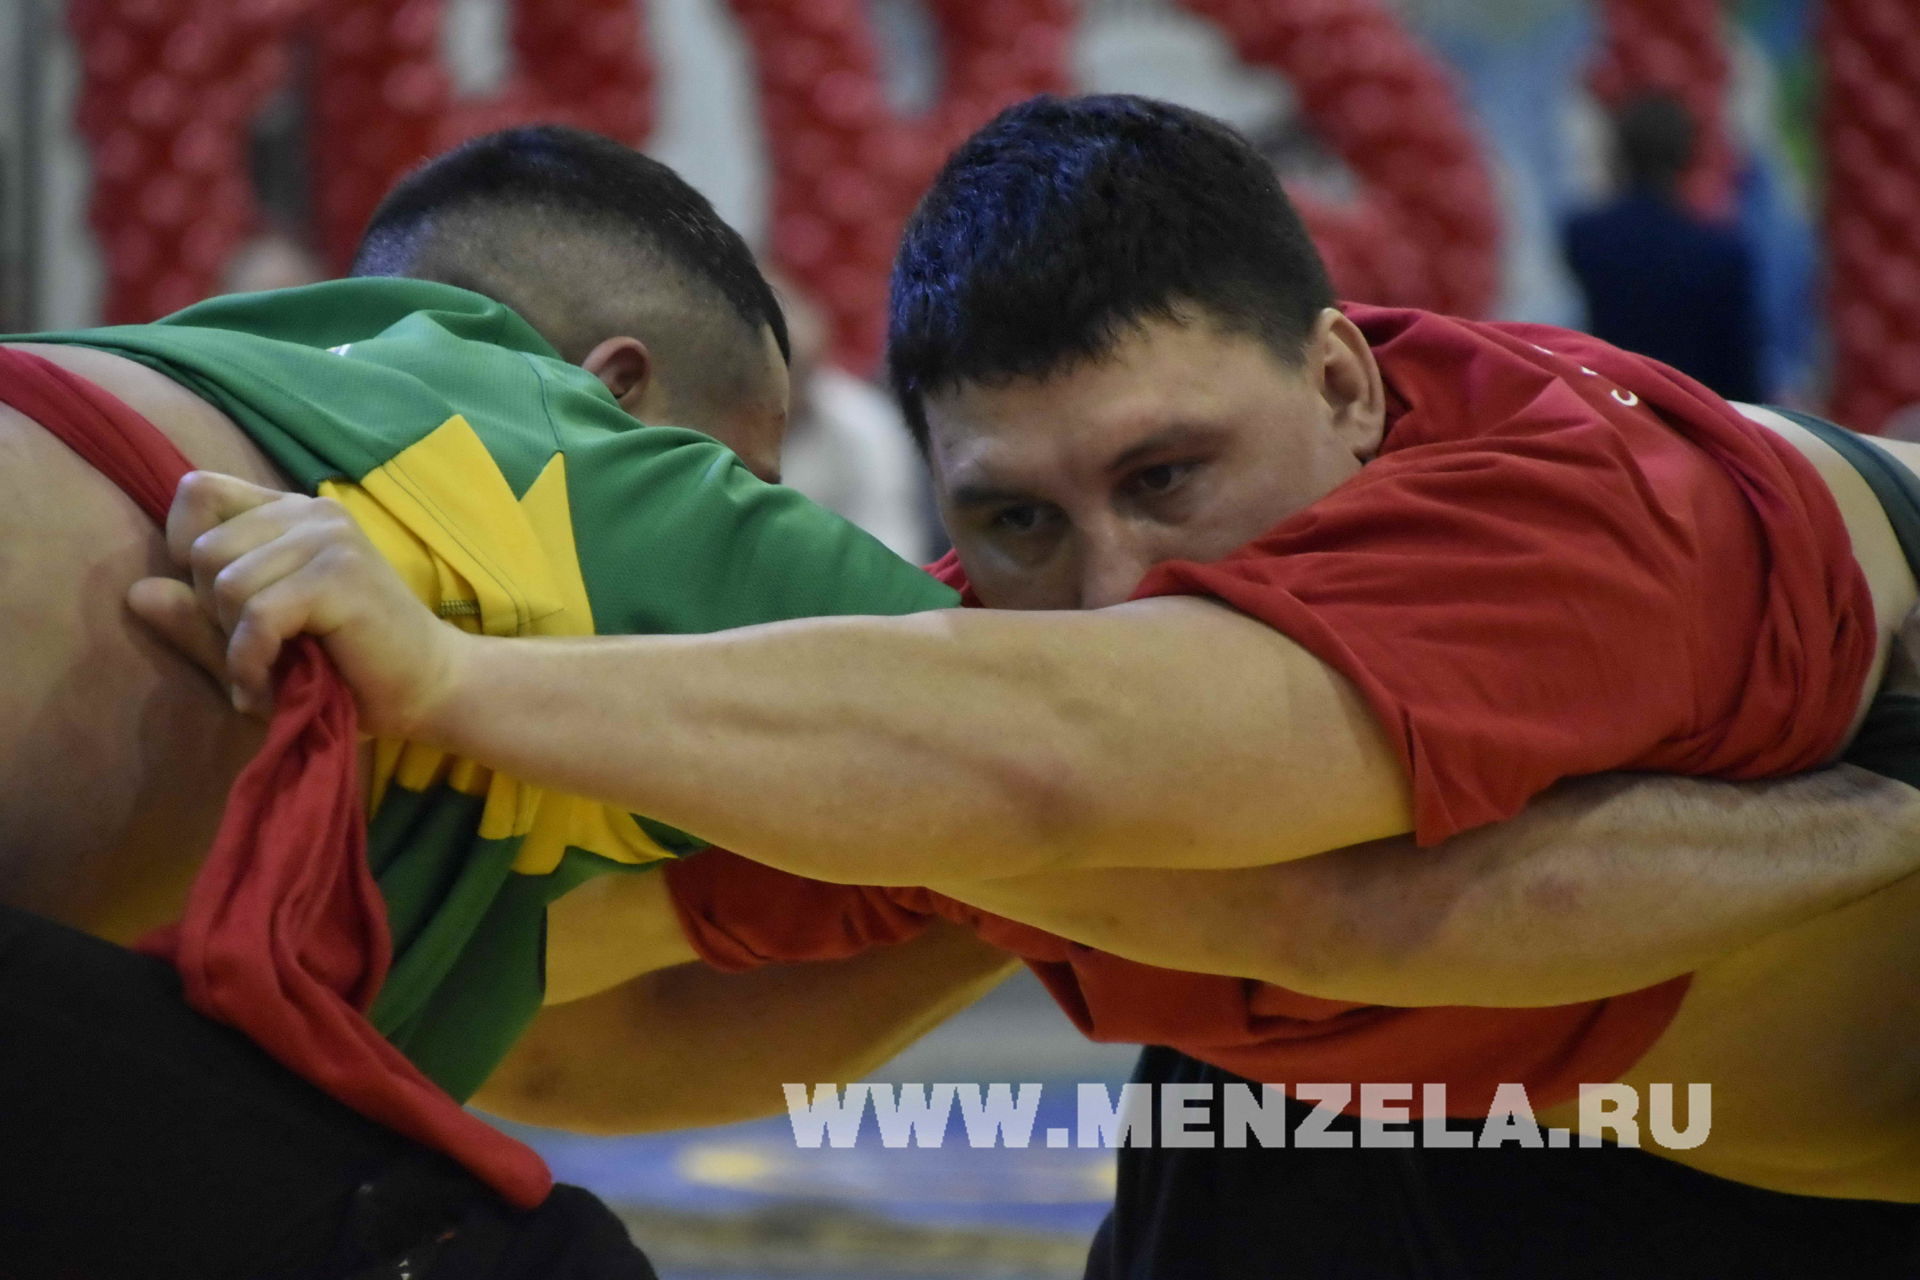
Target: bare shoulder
115 754
1875 547
208 437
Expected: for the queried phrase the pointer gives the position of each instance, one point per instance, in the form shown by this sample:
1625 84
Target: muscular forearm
690 1046
876 750
897 750
1602 886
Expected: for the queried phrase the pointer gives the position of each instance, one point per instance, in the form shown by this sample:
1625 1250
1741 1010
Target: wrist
447 677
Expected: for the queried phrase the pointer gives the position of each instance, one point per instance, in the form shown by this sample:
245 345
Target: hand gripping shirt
516 498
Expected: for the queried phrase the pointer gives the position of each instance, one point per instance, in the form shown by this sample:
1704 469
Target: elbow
1364 974
1331 933
686 1113
551 1101
545 1085
1097 785
1094 751
1292 925
532 1090
1054 810
1053 785
1333 958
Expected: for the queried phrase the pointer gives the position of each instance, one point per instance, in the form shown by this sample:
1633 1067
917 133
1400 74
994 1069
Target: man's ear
625 367
1341 362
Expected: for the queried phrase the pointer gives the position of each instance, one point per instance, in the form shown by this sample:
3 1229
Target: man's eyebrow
986 495
1180 435
981 493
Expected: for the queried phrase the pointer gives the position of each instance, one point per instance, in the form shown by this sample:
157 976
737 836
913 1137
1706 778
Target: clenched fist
267 566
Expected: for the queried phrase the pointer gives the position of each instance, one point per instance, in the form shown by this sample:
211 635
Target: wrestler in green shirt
517 498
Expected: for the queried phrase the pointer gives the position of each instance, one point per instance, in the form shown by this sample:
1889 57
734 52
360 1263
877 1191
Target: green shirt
517 498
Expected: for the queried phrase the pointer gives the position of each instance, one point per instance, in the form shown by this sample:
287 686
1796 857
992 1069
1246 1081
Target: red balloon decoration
383 102
1871 49
168 91
1675 47
847 168
1425 230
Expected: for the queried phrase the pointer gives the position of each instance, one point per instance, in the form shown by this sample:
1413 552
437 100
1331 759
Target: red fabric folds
285 933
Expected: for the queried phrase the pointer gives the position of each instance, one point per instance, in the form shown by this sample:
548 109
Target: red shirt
1566 559
285 932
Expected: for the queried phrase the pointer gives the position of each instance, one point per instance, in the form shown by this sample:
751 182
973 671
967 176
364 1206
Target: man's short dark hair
586 239
1066 220
1654 137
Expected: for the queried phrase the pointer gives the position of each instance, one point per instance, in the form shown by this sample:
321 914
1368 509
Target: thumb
169 608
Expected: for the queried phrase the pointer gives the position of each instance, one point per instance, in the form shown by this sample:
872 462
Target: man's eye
1162 478
1024 519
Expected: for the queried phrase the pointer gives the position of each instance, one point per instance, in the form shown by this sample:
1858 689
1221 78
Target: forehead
1163 379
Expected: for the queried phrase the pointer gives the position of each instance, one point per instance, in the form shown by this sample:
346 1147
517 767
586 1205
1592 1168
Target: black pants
1602 1213
140 1141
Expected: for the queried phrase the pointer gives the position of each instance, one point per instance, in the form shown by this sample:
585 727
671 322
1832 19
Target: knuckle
206 555
229 590
196 487
329 519
260 617
337 558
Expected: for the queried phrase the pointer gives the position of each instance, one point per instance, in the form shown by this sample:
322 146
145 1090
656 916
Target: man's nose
1111 566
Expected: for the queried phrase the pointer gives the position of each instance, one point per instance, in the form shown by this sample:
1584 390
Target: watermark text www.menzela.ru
1236 1115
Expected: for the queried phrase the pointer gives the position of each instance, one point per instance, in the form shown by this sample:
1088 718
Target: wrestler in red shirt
1483 559
1436 581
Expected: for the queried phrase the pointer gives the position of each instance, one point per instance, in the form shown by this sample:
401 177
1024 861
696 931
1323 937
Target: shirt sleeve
740 915
676 536
1544 604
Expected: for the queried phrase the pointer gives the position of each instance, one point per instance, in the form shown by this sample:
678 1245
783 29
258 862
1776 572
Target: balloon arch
169 87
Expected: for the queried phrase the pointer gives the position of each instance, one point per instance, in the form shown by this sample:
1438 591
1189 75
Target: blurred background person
1658 278
272 259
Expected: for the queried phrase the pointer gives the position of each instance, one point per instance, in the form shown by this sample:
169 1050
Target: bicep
1256 753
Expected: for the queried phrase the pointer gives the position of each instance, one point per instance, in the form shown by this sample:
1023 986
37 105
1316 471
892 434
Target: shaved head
588 240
